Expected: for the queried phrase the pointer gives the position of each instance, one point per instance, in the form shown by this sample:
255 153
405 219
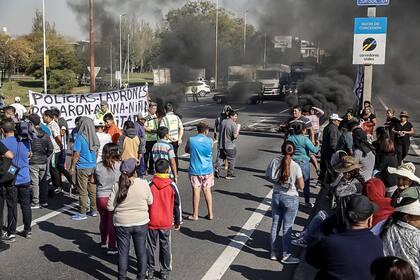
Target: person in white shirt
20 109
104 138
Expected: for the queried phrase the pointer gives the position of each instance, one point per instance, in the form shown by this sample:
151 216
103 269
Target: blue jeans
314 225
306 172
284 210
139 234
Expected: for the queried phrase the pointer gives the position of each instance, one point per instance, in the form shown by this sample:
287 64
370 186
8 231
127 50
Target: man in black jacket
330 137
41 148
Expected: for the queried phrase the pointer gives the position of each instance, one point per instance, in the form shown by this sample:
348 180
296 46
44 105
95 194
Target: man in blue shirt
83 163
19 189
200 148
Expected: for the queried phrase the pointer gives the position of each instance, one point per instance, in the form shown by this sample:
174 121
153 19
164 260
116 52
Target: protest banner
125 104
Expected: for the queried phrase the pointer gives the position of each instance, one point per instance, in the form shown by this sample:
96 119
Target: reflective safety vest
172 122
153 124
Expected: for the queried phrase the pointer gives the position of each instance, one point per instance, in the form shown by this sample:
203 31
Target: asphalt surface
235 245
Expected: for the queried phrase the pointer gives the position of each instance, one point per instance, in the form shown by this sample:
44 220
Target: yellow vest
172 122
152 123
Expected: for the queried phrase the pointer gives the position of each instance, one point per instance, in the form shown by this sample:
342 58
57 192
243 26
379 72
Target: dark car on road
242 92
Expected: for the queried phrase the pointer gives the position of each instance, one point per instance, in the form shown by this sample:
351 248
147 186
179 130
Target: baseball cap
360 208
17 99
34 119
128 166
104 102
98 123
335 117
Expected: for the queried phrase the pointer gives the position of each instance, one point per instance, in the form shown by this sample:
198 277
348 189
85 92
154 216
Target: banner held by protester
125 104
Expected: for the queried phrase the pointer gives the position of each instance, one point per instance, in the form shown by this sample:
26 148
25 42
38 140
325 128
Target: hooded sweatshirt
375 190
41 147
166 207
129 144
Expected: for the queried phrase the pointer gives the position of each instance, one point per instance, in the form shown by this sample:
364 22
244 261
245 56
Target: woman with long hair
304 148
106 175
285 203
129 200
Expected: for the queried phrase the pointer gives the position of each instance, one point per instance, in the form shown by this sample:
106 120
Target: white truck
271 77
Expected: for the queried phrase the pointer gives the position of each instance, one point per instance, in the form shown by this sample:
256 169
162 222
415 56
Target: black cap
34 119
360 208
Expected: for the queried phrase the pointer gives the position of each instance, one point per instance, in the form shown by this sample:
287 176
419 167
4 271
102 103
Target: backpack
24 131
272 173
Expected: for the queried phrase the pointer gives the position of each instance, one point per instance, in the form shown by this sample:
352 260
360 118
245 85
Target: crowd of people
368 226
107 170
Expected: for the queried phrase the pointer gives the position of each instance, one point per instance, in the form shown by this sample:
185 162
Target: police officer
151 126
176 129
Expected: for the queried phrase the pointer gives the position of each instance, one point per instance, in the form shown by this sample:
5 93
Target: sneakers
44 205
27 234
309 204
150 275
79 217
164 277
273 257
230 177
104 246
35 205
288 259
300 243
9 238
112 251
92 213
58 190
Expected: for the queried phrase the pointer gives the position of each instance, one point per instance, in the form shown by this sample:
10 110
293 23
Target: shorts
202 181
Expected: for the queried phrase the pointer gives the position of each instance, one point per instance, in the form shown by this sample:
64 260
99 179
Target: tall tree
14 54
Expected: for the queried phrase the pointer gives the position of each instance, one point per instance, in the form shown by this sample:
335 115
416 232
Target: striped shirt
163 149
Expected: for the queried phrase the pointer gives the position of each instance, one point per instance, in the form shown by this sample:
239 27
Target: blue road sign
370 25
372 2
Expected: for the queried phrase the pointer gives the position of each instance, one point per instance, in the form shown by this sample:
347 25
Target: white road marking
193 121
50 215
415 148
219 267
257 123
284 111
382 103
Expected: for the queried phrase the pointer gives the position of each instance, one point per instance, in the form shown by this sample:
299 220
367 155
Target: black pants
176 146
139 234
55 172
323 167
230 156
148 158
164 238
12 195
2 201
402 151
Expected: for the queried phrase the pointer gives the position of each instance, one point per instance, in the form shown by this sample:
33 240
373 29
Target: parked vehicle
197 87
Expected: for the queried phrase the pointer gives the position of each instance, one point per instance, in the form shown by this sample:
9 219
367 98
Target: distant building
3 31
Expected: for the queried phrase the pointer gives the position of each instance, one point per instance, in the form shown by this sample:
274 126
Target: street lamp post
91 47
217 45
128 60
120 51
245 31
110 56
44 46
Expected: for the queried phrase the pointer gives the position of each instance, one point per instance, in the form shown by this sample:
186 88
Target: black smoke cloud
330 23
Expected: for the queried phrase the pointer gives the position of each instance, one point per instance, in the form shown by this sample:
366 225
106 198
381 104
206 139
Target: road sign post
369 42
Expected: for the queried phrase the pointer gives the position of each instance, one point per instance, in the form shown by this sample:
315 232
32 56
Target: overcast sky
17 15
